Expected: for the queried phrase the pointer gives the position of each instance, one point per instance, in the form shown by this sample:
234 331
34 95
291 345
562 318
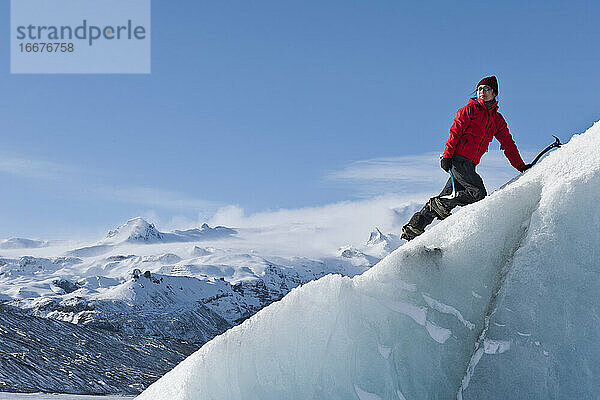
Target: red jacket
473 129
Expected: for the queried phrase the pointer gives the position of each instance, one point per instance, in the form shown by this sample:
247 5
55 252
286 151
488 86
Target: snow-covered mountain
383 244
146 304
134 230
138 282
41 354
137 230
500 300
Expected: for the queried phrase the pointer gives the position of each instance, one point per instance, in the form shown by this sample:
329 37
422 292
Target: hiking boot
435 205
410 232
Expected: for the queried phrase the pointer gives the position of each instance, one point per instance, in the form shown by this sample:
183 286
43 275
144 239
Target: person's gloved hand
524 167
446 163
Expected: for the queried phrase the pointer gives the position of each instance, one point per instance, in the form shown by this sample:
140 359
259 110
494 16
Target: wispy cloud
409 169
320 230
415 173
72 181
34 169
389 191
377 176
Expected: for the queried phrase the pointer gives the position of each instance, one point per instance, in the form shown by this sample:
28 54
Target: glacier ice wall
509 308
548 307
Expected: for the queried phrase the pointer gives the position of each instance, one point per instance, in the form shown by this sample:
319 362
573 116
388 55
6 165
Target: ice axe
556 144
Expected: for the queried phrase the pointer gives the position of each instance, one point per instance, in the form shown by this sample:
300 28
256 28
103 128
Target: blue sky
265 105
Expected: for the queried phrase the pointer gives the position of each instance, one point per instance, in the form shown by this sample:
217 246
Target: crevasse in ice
509 309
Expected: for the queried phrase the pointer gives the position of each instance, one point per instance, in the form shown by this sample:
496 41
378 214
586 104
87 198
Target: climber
470 135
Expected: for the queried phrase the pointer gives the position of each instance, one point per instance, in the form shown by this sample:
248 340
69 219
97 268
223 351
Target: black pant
469 189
